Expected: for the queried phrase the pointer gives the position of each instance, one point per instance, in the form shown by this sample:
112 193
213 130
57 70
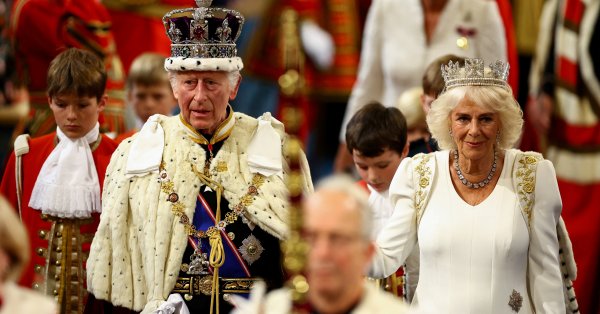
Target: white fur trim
204 64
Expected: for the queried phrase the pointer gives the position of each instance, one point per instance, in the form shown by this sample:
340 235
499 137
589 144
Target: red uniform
39 31
55 242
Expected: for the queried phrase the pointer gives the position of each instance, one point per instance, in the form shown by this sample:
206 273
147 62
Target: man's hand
539 113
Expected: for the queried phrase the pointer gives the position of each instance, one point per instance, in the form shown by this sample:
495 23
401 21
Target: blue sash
234 266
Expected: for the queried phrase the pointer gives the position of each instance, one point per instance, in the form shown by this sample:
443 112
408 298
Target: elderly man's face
203 98
338 254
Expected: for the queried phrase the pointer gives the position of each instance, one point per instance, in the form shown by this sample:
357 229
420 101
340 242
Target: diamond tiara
475 74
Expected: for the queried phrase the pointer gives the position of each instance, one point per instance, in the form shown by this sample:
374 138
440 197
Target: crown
203 38
475 74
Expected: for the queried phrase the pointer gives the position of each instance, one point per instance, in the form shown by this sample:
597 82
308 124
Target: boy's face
151 99
377 171
76 115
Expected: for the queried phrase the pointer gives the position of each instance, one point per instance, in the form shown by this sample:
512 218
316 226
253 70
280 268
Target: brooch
515 301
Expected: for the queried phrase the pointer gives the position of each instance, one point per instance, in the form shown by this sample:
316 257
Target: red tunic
39 226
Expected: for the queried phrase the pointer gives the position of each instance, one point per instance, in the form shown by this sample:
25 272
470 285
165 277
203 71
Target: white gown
473 257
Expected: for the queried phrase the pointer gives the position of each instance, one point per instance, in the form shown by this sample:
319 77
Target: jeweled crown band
474 73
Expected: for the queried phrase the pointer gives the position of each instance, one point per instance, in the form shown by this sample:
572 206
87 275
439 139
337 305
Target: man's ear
234 90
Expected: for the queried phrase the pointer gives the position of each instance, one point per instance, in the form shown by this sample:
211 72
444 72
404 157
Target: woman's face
474 129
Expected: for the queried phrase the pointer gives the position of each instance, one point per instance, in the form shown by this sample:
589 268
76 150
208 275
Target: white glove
318 44
252 305
173 305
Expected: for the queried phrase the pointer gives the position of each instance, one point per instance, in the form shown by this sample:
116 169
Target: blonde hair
497 99
13 241
147 69
409 104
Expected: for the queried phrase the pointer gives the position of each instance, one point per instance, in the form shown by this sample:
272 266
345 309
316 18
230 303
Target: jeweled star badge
251 249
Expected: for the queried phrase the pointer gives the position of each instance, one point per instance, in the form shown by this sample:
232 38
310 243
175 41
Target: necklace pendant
198 264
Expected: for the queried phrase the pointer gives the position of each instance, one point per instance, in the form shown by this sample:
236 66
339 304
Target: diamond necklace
470 184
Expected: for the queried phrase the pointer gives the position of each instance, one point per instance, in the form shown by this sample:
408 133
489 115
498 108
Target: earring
498 137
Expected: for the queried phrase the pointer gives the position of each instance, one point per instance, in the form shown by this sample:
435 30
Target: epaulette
22 145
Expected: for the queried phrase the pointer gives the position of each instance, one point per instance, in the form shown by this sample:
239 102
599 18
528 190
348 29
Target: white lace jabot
67 185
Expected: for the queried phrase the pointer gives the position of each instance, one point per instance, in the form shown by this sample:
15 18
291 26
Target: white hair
498 99
233 77
347 186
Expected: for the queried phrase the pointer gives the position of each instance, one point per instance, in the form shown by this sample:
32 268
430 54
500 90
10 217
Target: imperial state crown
203 38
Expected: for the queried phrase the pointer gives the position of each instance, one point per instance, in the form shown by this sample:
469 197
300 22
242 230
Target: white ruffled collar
67 185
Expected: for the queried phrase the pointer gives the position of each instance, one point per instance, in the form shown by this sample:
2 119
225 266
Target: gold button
42 234
57 263
462 42
58 234
226 297
36 286
56 276
188 297
37 268
58 249
55 292
45 217
39 251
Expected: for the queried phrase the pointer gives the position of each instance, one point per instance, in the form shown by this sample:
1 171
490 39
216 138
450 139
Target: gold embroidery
526 182
424 173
